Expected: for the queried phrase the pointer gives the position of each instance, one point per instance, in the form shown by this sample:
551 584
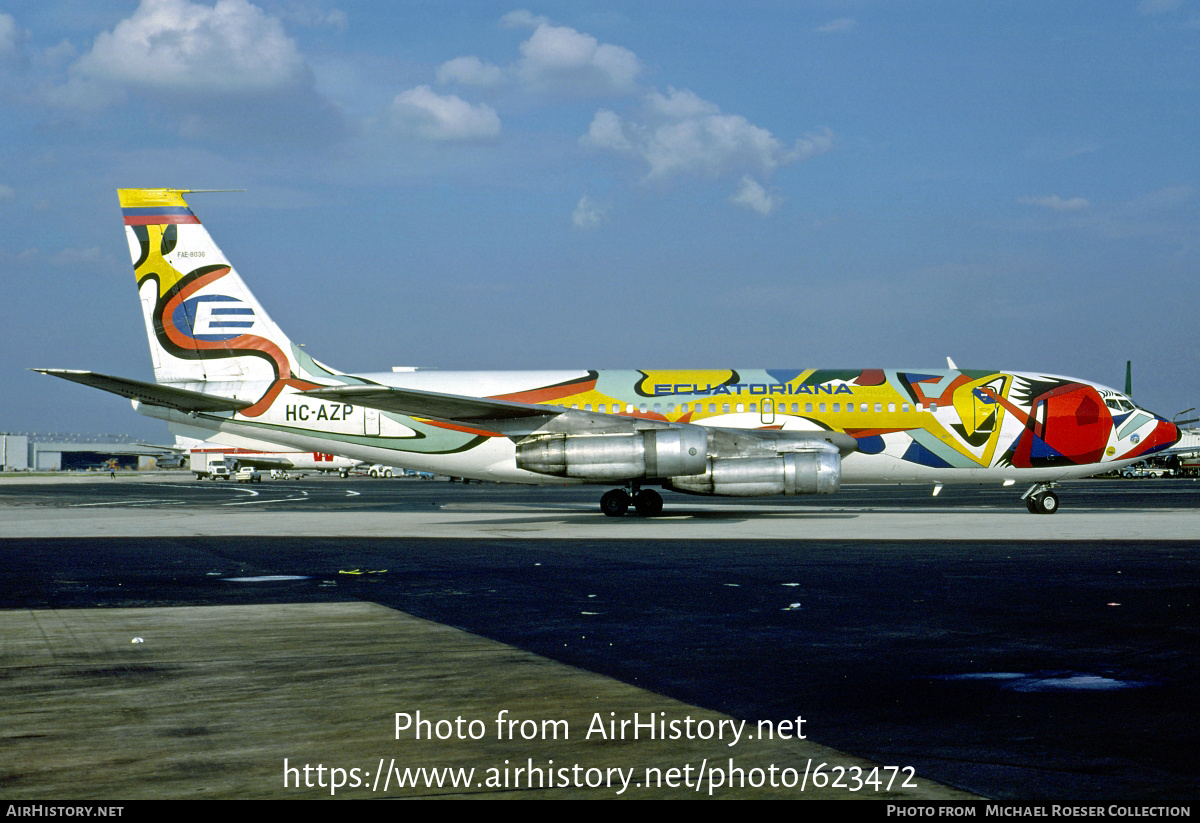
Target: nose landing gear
1041 499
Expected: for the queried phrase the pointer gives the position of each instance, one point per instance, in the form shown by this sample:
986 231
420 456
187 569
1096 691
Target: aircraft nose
1172 432
1165 435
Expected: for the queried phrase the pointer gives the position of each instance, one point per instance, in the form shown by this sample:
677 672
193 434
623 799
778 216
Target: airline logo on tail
201 311
215 317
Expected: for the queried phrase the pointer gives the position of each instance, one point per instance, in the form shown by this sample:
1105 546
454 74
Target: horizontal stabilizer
153 394
261 461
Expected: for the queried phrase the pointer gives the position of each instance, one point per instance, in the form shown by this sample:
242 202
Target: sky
573 185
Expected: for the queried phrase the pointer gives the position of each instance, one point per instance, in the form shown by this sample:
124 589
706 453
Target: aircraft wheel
615 503
648 503
1031 504
1047 503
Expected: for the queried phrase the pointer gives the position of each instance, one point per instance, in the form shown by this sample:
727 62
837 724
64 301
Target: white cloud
554 60
1057 203
680 133
311 15
588 213
470 71
561 59
11 37
422 112
523 18
842 24
60 55
607 132
184 47
224 72
752 195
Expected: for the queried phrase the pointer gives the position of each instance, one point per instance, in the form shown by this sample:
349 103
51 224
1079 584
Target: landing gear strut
616 502
1041 499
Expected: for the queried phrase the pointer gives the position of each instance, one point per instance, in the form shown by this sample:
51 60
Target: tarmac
301 701
307 700
1177 518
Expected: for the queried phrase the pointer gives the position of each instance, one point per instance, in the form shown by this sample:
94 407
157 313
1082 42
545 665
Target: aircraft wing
453 408
517 420
260 461
183 400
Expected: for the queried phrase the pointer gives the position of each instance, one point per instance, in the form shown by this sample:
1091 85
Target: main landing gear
647 502
1041 499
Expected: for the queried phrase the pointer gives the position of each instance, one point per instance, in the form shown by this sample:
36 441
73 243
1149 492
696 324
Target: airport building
34 451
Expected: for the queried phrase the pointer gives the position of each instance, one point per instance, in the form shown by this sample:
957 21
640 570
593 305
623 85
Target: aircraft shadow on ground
665 519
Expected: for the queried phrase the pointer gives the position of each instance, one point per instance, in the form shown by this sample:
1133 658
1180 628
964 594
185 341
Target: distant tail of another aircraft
207 331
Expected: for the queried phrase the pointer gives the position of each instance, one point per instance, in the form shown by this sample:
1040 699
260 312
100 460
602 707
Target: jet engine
808 472
652 453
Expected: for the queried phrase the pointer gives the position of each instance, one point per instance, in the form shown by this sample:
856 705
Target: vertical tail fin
206 329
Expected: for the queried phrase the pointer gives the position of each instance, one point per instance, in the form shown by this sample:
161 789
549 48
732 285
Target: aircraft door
371 422
767 415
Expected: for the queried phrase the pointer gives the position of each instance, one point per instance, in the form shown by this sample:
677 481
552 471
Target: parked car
1144 470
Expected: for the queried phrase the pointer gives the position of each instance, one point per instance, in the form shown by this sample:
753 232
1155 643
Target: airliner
260 455
223 367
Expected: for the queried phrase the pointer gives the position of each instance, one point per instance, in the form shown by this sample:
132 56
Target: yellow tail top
144 198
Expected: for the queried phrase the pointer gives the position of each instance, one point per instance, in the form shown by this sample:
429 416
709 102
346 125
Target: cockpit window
1119 404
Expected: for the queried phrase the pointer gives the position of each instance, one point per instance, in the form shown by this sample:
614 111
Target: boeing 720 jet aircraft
221 365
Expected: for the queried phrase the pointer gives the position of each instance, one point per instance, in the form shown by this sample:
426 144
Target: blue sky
615 184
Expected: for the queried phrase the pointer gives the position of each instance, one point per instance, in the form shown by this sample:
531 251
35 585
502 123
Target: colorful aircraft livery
223 370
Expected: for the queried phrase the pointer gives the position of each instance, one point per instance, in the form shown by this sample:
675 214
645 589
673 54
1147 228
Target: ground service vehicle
211 465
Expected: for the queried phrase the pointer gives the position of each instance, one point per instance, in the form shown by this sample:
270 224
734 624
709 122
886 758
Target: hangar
34 451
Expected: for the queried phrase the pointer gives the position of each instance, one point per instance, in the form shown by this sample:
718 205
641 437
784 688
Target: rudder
205 328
